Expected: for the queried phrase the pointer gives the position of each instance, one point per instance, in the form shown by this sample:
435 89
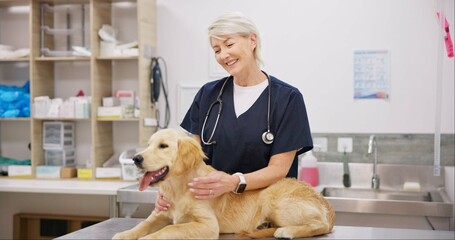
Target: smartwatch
242 184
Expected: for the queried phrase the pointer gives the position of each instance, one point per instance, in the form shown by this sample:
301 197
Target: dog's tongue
145 181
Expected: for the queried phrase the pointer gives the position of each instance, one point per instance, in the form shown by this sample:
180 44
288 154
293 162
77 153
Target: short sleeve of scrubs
191 120
292 131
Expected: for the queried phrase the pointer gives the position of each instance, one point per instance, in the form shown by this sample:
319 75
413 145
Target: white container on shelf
82 107
41 106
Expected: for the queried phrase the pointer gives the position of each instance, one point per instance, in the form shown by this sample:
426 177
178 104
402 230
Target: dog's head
169 152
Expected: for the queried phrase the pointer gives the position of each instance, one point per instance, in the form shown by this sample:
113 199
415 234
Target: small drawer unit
60 157
58 135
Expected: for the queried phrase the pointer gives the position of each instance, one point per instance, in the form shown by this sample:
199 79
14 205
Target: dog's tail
263 233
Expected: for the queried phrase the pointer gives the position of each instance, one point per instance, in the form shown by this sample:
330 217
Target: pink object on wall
447 38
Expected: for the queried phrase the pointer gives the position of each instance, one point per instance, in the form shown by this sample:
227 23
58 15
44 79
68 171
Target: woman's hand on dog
161 204
210 186
213 185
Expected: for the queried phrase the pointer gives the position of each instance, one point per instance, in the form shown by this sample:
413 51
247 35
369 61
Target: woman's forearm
277 169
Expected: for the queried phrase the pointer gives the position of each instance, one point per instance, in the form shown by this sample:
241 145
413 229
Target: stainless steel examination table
108 228
129 198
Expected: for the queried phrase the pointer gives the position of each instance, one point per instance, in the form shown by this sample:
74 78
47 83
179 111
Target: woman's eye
163 145
230 45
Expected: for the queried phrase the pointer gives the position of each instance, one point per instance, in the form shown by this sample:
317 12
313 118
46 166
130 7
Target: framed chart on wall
371 74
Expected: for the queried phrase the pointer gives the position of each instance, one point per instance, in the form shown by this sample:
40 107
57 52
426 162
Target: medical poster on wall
371 74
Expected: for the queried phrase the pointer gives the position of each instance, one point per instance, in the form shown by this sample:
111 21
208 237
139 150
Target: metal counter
129 198
108 228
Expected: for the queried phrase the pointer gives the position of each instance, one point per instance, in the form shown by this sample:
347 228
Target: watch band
242 184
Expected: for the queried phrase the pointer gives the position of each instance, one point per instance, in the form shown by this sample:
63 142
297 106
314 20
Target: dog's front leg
194 230
152 224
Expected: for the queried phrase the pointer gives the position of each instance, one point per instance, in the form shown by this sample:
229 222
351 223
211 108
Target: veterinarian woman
251 125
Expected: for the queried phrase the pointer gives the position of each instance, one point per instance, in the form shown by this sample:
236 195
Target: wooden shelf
12 3
118 58
55 59
43 71
14 119
117 119
62 119
14 59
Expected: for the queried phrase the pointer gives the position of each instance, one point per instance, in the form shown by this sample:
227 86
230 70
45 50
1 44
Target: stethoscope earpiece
267 137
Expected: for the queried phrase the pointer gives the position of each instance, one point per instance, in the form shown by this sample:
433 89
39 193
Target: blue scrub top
239 146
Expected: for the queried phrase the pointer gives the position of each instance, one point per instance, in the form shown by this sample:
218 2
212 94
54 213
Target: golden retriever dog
286 209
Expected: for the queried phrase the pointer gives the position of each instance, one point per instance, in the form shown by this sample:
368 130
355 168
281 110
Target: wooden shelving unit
100 68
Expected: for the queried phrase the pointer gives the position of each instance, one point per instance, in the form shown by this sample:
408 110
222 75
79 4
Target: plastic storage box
60 157
129 169
58 135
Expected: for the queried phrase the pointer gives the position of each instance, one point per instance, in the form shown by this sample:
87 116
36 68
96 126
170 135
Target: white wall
310 45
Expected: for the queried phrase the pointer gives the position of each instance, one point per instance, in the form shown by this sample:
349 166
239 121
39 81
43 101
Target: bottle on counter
308 169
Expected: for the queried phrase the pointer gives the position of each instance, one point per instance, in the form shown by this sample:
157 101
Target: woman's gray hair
236 23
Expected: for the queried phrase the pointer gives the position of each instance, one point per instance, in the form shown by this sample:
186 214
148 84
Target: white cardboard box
108 173
126 97
110 102
110 112
48 171
19 171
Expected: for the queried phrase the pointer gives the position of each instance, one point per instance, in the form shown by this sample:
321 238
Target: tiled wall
392 148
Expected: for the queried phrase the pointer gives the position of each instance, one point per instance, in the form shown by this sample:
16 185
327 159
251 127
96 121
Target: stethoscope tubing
219 101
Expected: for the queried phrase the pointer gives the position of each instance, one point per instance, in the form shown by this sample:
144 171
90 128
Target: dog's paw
123 235
283 233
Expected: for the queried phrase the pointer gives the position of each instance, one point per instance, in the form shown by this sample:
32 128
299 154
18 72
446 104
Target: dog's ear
189 154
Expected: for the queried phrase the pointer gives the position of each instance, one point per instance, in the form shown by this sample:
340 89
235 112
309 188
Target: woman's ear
253 41
189 153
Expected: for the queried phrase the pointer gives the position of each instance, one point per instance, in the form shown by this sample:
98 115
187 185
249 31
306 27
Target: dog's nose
138 159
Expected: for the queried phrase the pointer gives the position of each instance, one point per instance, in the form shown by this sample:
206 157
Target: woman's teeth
231 62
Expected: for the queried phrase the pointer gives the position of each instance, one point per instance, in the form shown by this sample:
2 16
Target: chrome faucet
375 181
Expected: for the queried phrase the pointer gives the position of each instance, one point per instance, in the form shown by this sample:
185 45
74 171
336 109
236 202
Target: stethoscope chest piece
267 137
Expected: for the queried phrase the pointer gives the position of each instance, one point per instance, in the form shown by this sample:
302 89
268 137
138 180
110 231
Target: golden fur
286 209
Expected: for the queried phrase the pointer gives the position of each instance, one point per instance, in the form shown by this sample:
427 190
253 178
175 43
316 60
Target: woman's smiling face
234 52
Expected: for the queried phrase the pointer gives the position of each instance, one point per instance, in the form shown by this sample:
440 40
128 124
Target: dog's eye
163 145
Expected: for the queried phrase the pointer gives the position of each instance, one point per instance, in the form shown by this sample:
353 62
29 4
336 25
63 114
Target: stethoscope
267 136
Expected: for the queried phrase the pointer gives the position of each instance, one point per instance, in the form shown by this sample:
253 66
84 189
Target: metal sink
364 193
362 200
